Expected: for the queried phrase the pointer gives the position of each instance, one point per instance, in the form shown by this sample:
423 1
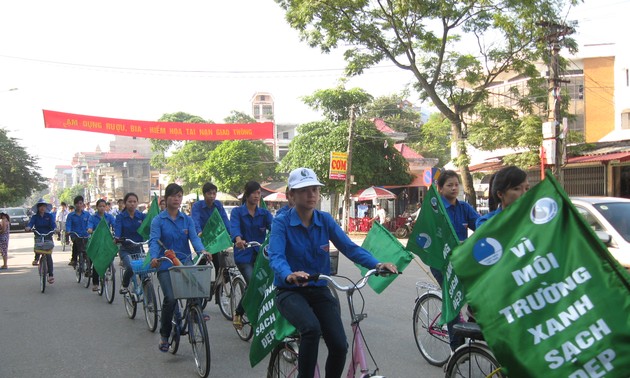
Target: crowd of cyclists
299 238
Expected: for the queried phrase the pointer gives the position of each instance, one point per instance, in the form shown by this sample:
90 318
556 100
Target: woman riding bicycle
126 227
101 207
43 222
506 186
248 223
299 246
174 230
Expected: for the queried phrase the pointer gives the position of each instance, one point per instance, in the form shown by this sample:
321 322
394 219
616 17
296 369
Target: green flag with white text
549 297
214 236
270 328
145 228
101 248
433 239
385 248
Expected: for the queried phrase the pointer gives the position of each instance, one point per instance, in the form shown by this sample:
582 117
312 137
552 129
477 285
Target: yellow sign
338 165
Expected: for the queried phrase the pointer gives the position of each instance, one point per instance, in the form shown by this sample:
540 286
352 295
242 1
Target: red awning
620 156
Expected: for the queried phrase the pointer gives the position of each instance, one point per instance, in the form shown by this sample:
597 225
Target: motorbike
405 230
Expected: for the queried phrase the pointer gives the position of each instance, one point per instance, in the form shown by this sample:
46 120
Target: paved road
71 332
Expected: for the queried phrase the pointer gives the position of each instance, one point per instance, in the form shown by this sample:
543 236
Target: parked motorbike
405 230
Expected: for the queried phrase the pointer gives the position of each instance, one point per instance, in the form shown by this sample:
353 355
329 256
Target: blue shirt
127 227
78 223
484 218
249 229
282 210
42 223
201 212
293 247
96 219
463 216
174 234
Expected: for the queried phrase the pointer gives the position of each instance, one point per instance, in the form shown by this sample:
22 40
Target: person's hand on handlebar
240 243
387 266
155 263
298 278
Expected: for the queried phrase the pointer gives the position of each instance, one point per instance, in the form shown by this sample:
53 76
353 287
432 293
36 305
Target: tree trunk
462 159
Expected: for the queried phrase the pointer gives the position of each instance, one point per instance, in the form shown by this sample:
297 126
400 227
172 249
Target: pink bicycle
284 358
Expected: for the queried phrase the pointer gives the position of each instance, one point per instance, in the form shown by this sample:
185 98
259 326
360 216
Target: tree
235 162
68 194
18 172
336 102
423 37
434 139
374 161
398 114
161 146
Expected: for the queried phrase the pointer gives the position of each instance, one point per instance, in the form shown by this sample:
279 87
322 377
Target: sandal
51 280
94 288
237 321
163 345
4 267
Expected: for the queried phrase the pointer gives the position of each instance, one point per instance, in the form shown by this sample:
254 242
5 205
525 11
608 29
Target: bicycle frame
423 288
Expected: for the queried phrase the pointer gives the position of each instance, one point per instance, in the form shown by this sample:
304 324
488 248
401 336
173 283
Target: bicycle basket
44 245
191 281
334 261
137 264
226 258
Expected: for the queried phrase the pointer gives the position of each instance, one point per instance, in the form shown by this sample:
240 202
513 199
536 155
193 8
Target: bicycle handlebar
38 234
204 256
79 236
358 285
127 240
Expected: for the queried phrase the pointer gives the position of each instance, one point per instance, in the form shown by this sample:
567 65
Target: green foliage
435 139
159 147
372 162
186 163
18 172
239 117
397 113
68 194
234 162
335 103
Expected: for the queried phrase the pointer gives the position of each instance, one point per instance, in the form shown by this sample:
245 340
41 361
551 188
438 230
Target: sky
141 59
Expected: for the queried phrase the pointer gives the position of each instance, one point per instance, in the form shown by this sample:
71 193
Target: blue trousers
315 313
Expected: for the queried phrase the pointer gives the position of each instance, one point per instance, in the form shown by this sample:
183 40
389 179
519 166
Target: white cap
303 177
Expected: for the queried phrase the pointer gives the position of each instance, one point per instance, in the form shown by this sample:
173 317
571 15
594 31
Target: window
262 97
625 120
285 135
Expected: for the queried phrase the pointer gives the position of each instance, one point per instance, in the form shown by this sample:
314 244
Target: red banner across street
158 130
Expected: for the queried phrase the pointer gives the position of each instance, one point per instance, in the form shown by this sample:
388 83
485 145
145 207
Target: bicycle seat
469 330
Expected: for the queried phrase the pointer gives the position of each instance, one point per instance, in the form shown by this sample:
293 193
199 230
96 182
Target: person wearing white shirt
62 214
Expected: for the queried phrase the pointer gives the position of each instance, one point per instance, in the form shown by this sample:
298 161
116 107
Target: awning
620 156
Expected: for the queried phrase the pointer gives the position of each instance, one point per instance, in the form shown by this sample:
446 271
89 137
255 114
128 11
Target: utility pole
348 182
554 36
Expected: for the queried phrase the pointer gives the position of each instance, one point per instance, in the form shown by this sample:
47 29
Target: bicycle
474 358
81 265
238 288
284 357
224 282
140 292
44 247
431 338
192 283
107 283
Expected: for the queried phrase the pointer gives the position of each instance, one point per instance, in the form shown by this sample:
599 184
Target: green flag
433 239
101 248
386 248
270 328
549 297
145 228
214 235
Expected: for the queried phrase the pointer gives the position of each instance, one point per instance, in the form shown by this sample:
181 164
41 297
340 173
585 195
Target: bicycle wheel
43 272
78 268
198 337
109 281
150 305
283 362
88 272
175 331
224 293
431 339
238 290
129 300
474 360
